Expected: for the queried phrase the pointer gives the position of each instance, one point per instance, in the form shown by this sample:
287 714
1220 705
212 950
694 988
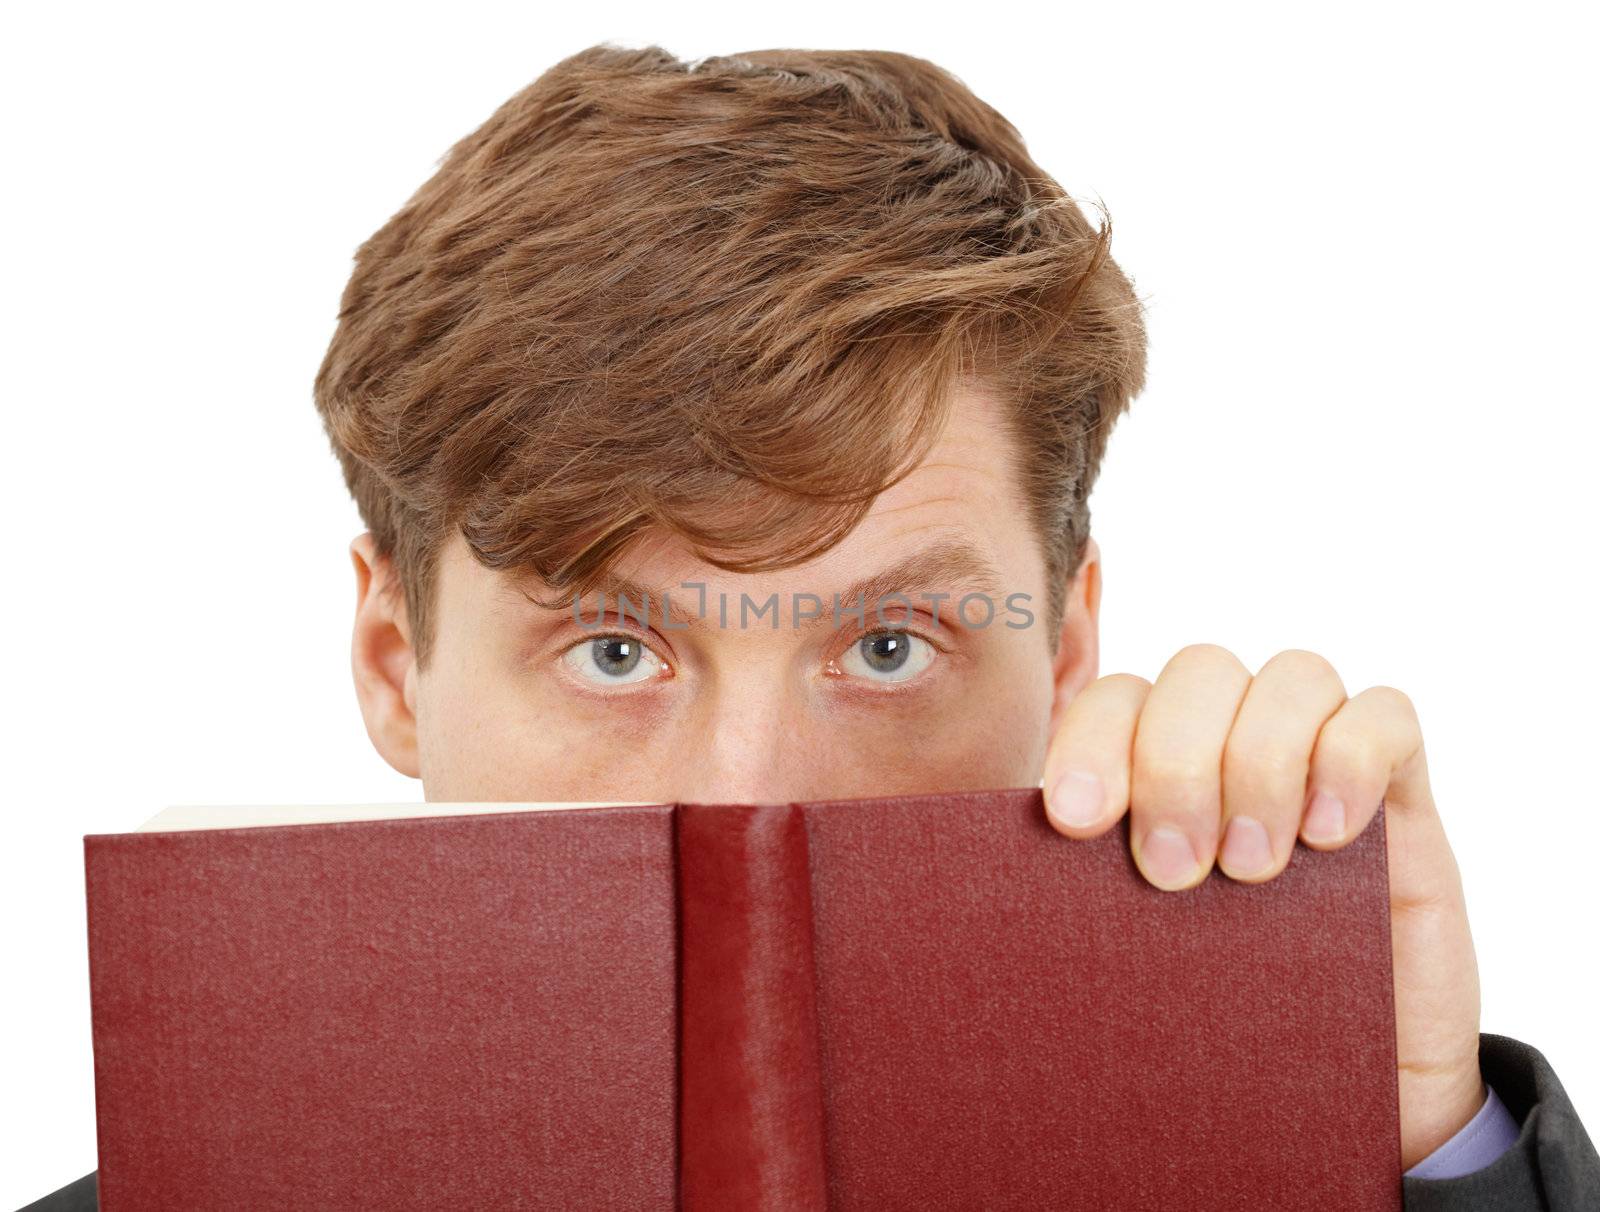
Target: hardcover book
902 1003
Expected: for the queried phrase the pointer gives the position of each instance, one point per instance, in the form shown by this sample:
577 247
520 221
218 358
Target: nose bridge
740 735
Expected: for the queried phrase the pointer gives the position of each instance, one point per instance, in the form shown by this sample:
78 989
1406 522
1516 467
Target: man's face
710 701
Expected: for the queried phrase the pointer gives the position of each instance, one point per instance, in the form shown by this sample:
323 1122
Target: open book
923 1002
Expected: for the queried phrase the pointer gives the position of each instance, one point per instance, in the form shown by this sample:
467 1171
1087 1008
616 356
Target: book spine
751 1132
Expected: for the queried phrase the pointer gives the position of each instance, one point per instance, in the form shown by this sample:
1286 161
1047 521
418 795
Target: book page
240 816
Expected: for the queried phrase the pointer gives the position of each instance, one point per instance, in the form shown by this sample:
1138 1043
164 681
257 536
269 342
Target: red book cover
926 1002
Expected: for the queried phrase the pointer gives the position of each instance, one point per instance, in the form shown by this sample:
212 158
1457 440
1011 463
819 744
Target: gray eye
887 656
615 655
886 651
614 660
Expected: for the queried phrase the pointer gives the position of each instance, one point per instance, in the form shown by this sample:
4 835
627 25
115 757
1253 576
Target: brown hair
728 298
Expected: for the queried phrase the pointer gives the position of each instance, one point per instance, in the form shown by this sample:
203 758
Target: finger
1086 769
1371 741
1268 759
1370 753
1176 796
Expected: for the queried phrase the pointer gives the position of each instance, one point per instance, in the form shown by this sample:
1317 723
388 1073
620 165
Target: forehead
966 491
969 478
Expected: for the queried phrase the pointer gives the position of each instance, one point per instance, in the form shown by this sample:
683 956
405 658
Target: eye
887 656
614 660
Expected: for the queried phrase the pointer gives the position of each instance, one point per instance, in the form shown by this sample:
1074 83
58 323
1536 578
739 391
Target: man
793 335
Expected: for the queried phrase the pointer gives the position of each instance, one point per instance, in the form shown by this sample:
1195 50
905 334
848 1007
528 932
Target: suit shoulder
80 1196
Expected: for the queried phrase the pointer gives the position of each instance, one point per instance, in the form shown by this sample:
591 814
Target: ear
381 658
1077 659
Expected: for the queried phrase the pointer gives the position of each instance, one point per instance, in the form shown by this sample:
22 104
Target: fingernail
1325 818
1078 798
1167 857
1246 848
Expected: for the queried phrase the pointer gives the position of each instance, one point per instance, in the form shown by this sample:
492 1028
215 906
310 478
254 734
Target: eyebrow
944 566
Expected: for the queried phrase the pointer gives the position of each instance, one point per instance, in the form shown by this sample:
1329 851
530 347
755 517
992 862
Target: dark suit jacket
1553 1166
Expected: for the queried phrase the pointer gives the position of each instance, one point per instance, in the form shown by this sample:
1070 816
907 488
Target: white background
1366 238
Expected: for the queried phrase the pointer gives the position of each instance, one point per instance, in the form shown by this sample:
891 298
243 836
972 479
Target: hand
1209 754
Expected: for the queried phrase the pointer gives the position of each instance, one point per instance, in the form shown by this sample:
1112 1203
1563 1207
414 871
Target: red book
926 1002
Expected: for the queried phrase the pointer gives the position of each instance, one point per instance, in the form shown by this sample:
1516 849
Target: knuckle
1125 681
1400 714
1169 775
1256 765
1397 701
1213 654
1304 664
1348 750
